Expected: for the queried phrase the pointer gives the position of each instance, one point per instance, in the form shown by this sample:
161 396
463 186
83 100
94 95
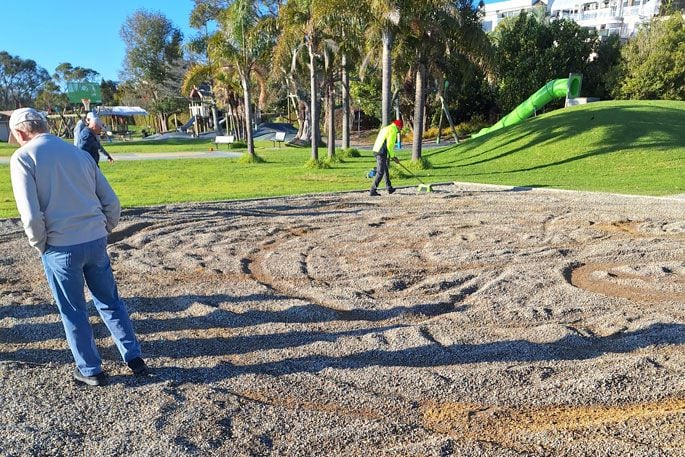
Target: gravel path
474 320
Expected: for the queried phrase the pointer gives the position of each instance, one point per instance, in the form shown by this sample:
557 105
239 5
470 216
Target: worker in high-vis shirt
384 149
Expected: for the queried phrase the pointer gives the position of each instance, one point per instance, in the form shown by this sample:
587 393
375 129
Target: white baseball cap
23 115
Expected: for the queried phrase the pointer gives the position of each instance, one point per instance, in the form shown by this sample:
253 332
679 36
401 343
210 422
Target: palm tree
435 29
345 30
303 19
243 38
296 26
286 66
383 18
202 14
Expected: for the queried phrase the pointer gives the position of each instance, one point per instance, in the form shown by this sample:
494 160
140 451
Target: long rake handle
409 171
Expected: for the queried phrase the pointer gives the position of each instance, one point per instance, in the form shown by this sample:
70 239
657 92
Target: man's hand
110 159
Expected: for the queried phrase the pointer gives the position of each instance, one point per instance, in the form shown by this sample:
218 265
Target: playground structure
553 90
116 119
203 114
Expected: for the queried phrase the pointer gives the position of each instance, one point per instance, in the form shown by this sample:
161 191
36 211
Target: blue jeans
66 267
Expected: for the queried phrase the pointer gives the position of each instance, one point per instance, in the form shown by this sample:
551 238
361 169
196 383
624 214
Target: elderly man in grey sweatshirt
67 208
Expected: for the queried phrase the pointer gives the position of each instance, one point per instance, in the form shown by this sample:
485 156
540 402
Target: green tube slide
557 88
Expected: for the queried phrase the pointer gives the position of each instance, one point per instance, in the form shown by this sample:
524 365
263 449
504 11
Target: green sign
77 91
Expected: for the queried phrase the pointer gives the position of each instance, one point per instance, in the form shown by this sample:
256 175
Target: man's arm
111 207
390 140
102 150
83 137
26 197
109 157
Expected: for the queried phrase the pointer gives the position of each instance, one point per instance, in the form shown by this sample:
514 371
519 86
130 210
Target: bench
279 138
224 139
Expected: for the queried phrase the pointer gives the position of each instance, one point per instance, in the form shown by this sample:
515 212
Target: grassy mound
635 147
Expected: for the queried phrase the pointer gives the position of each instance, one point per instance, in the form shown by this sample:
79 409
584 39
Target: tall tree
245 36
299 18
383 18
109 92
287 68
437 29
66 72
345 26
154 64
20 81
51 97
205 12
530 51
653 64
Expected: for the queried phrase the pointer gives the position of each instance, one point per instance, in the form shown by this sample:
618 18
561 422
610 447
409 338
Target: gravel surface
474 320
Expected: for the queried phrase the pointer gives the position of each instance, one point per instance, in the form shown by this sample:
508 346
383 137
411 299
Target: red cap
398 123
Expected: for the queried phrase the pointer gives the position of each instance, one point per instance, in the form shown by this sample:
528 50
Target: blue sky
83 33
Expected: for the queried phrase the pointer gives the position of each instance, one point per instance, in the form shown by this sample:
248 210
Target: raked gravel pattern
470 321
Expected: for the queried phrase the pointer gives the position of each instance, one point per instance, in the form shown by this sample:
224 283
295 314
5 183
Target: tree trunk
419 104
248 114
387 75
314 110
345 104
331 117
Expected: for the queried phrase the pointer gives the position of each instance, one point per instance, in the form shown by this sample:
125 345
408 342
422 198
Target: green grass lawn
622 147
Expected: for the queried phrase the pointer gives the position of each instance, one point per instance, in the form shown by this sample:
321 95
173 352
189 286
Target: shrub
334 159
473 125
317 164
247 158
238 145
349 153
417 165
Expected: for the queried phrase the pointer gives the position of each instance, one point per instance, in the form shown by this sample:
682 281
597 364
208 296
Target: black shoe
391 190
99 379
373 193
137 366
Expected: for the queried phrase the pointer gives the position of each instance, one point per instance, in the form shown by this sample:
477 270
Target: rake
423 186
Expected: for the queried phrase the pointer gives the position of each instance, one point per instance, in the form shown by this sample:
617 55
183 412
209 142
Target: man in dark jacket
88 139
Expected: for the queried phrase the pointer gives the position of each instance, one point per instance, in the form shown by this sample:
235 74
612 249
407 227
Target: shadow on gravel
571 347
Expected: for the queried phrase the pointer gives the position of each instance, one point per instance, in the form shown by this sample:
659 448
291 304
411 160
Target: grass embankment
622 147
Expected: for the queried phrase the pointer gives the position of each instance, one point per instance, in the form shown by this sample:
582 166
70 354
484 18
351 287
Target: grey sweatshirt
62 196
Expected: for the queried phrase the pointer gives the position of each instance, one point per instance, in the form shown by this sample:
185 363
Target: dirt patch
473 320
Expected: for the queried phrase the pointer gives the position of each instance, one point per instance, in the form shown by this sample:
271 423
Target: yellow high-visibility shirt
388 134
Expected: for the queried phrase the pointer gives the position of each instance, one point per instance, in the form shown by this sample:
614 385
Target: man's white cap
90 115
97 120
24 114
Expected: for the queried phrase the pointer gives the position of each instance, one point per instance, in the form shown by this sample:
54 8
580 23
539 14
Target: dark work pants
382 169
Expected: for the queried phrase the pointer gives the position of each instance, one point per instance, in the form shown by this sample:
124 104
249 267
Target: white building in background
497 11
620 17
